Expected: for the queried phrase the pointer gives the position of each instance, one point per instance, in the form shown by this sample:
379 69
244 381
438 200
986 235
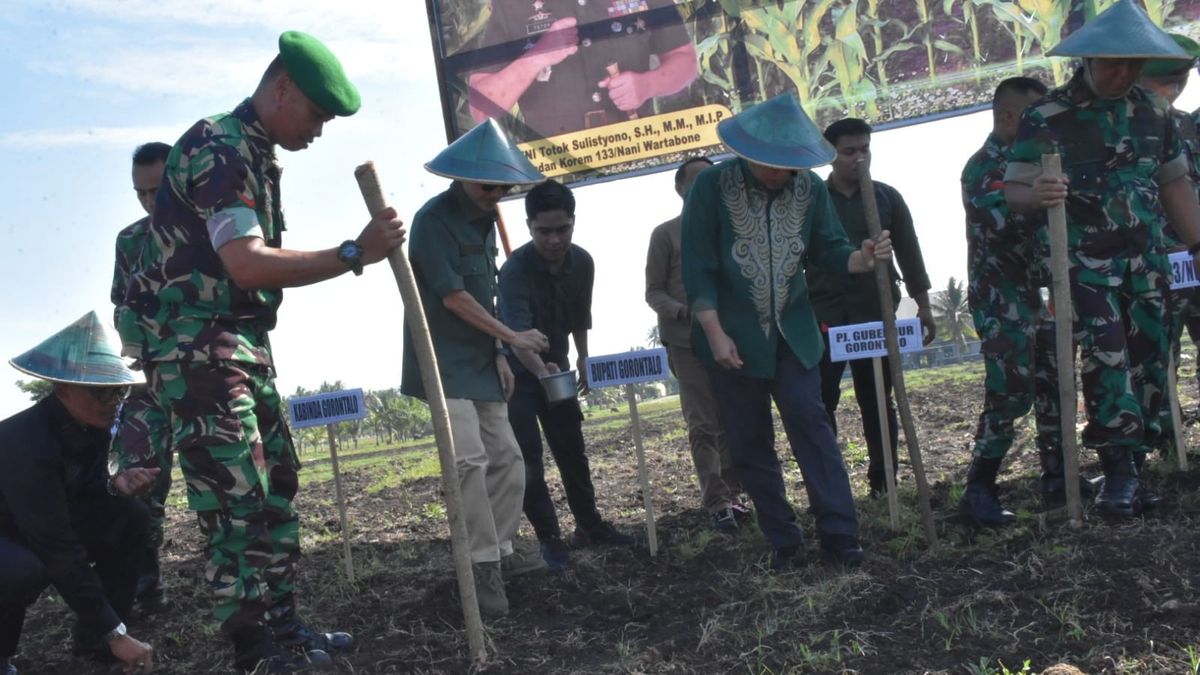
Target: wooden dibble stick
368 184
866 188
1063 344
643 474
885 437
1176 415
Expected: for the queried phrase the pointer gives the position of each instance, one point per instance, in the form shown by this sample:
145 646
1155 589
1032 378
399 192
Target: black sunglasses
109 394
492 188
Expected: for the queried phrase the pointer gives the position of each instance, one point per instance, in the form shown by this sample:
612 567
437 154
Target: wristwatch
351 254
118 632
110 486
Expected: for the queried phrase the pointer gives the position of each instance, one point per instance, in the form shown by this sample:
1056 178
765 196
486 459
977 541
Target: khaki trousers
491 475
710 454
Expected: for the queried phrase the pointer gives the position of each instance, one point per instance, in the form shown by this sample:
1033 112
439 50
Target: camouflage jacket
1001 245
1185 124
129 245
1116 154
222 183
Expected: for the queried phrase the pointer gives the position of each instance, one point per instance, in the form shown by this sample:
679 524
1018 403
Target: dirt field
1109 598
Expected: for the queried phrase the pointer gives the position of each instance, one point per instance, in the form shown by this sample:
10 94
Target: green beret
1165 67
317 72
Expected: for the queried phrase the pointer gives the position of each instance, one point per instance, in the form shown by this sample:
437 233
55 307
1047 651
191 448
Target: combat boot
1053 483
978 501
1149 500
290 632
1119 496
255 652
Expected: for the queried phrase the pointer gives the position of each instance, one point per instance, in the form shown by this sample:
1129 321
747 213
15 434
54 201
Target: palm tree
952 315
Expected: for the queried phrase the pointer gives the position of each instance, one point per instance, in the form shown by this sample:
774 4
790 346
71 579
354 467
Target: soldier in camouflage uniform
1167 78
1125 176
1005 275
143 435
196 313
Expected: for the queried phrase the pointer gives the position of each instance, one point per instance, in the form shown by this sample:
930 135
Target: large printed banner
598 89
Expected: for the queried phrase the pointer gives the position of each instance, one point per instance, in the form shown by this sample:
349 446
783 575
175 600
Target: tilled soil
1105 598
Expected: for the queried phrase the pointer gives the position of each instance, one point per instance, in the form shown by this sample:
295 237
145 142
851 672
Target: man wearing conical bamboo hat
453 255
1125 178
60 511
751 225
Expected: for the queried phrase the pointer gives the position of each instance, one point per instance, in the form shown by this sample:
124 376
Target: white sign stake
629 369
329 409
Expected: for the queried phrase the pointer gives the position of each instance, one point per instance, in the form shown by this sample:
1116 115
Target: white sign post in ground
1183 275
329 409
631 368
863 341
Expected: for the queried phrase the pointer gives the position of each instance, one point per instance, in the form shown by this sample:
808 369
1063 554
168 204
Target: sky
86 81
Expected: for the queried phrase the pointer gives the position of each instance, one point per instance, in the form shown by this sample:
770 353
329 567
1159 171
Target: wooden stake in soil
341 501
885 436
368 184
643 474
1176 414
1063 344
883 282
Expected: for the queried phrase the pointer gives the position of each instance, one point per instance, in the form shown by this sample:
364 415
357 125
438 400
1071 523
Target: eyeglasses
108 395
486 187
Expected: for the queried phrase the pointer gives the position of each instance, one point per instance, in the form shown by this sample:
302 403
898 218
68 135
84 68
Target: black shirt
857 301
556 304
53 466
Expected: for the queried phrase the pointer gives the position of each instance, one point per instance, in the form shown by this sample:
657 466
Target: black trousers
113 530
562 423
863 374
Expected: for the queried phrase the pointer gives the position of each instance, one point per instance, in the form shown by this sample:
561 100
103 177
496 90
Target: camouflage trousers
1021 368
236 454
143 439
1122 338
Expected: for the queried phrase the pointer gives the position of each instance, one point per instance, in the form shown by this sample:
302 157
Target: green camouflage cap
486 155
1165 67
86 352
1122 31
776 133
318 73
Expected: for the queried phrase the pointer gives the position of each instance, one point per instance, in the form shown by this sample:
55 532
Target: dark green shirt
745 250
452 247
837 302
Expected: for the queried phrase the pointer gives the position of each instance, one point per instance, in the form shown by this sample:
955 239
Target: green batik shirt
1116 154
221 184
745 249
129 246
452 247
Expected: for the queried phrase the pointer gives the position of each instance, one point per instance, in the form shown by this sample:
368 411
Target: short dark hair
847 126
1017 86
682 170
274 69
549 196
151 153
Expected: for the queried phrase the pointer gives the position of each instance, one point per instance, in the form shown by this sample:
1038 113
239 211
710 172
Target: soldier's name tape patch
1183 270
867 340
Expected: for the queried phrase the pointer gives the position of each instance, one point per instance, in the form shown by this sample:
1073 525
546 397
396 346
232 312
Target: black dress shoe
843 550
787 558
